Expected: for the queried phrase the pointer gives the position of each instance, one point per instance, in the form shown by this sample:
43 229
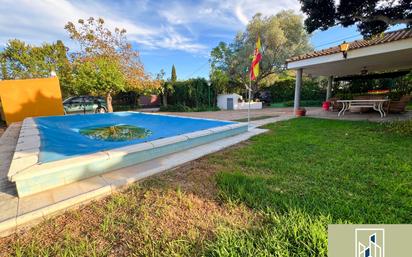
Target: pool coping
25 162
27 152
33 209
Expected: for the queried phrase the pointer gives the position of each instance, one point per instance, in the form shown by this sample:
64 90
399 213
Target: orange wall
30 98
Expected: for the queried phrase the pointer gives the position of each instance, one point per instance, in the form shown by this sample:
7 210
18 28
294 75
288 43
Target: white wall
253 106
222 102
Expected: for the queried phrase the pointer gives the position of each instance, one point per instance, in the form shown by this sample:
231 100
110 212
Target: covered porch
387 53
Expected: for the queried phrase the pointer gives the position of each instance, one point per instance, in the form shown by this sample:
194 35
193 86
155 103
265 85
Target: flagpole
255 63
248 109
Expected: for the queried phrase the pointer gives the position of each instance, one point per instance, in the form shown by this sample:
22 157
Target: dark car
264 96
84 104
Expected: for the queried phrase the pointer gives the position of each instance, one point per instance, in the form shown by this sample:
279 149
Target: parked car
265 97
84 104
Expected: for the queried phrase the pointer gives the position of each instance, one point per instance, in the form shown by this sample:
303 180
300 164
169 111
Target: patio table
376 104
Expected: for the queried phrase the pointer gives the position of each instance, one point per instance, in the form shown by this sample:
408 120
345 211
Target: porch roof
391 51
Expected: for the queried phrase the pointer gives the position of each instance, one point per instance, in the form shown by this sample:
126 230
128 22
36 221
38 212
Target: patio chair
399 106
334 104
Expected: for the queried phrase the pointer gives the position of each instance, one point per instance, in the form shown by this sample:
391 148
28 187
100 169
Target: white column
298 85
329 88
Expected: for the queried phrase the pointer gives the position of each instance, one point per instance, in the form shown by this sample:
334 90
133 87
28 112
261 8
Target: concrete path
236 114
356 116
7 145
315 112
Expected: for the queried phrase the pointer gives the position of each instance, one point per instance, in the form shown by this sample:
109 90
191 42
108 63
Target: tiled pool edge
32 177
119 178
27 149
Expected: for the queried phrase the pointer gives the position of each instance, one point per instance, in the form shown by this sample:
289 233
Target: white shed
228 101
235 102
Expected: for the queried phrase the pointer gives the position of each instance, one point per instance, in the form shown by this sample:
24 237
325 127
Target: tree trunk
165 99
109 102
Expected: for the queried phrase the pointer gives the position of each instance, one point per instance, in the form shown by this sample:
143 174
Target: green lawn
271 196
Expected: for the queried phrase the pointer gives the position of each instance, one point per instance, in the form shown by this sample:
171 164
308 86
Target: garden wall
30 98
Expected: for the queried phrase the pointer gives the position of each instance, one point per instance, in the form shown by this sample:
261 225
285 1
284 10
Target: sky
165 32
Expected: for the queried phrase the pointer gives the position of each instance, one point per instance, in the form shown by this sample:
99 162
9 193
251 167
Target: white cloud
152 25
224 15
44 21
246 9
241 16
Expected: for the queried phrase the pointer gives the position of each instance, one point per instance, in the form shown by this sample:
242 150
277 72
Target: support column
298 85
329 88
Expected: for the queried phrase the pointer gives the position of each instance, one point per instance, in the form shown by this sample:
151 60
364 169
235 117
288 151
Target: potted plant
300 112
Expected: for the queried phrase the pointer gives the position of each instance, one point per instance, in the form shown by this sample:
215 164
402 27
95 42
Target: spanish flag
257 56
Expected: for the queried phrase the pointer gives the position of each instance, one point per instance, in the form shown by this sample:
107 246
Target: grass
354 171
271 196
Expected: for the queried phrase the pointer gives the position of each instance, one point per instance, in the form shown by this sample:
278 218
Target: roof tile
380 39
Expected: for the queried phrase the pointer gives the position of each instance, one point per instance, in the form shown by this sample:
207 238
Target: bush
304 103
175 108
284 90
193 93
125 107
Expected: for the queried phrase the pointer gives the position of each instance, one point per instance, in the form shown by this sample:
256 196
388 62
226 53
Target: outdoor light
209 83
344 47
53 74
364 71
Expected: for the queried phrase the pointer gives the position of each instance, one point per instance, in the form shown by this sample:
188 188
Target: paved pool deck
356 116
21 213
315 112
236 114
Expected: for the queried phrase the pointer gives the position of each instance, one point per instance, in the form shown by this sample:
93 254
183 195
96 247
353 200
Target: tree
167 87
22 61
220 81
371 17
98 43
3 64
163 86
173 77
282 35
98 76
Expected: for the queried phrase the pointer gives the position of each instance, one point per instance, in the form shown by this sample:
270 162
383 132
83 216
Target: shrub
284 90
193 93
304 103
175 108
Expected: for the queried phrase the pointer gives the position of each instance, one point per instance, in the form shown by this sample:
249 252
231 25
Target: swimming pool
61 137
57 150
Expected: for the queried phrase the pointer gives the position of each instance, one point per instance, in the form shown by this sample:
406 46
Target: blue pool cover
60 137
